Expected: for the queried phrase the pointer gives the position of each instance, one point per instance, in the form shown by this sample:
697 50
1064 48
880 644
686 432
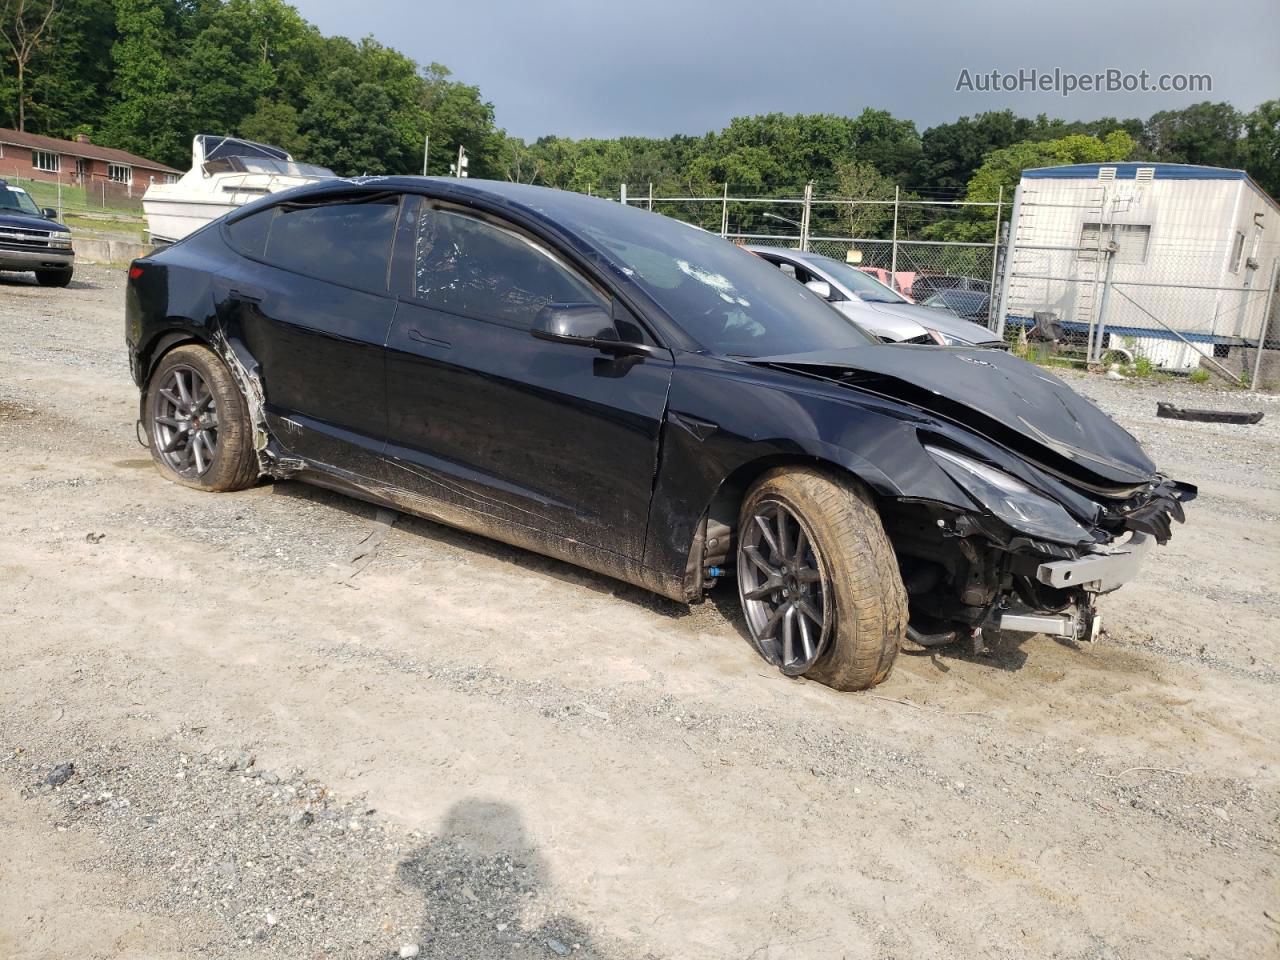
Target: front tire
197 423
54 278
818 579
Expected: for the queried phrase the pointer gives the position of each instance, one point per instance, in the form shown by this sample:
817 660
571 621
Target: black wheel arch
719 519
148 357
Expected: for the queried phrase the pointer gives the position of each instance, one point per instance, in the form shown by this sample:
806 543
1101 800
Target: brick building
78 162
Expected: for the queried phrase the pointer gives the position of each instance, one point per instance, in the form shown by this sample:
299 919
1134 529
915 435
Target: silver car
869 303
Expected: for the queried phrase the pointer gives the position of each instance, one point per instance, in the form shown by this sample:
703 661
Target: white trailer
1171 261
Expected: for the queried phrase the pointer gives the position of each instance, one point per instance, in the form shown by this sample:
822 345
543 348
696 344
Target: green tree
1260 148
952 152
275 122
70 76
1204 133
348 123
24 28
150 115
457 115
1003 168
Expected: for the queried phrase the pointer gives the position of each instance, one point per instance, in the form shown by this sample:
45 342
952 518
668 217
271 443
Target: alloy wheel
784 588
185 422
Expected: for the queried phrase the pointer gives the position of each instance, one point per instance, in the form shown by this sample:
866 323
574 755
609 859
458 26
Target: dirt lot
283 748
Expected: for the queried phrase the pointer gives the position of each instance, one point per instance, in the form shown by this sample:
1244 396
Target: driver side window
464 265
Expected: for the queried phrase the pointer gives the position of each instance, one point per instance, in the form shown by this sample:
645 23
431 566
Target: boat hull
169 220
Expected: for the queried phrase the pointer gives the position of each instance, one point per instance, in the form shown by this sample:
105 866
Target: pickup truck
32 239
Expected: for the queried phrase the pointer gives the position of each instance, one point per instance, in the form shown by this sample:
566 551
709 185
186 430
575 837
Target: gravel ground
224 732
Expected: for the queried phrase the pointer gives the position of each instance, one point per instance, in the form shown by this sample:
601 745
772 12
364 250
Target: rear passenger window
249 234
346 242
466 266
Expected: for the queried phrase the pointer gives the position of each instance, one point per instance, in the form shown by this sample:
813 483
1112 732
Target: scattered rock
409 950
94 537
556 947
60 774
303 818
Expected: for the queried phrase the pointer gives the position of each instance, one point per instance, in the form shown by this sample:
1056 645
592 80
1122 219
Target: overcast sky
580 68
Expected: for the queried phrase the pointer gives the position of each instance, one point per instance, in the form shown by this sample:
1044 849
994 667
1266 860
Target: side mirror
582 324
820 287
50 213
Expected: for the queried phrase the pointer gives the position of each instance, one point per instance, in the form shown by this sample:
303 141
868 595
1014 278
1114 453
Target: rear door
558 439
312 305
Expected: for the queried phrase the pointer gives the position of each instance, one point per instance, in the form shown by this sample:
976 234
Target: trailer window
1237 251
1132 241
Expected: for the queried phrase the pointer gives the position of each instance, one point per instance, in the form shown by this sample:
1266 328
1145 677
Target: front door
559 440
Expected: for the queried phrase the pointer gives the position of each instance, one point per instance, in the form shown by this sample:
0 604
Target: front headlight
1010 499
60 241
946 339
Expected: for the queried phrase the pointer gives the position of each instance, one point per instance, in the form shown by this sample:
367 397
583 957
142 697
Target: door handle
418 335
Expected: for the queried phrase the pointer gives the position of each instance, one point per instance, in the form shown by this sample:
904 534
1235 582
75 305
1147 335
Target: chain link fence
899 240
83 196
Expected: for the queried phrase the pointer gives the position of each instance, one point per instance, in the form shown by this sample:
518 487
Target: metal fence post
1010 245
651 196
1093 353
724 212
893 256
1262 329
622 194
804 216
999 256
995 253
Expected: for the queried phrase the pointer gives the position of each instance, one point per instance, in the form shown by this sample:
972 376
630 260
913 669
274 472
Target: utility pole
804 216
459 169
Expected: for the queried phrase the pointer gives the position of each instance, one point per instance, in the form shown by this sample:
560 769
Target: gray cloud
580 68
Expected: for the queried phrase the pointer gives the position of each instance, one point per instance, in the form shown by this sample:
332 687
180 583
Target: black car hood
29 222
995 394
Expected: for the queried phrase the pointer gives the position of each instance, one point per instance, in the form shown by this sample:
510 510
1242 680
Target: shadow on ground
487 891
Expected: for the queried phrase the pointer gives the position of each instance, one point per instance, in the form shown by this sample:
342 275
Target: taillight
135 272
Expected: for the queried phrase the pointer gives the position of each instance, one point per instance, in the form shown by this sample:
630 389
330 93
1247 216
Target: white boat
225 173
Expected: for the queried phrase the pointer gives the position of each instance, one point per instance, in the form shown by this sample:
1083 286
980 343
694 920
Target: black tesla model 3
611 387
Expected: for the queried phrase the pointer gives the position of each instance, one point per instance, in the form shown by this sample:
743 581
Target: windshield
15 198
862 285
728 299
958 301
269 165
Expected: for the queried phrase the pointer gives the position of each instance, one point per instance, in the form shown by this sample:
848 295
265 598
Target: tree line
146 75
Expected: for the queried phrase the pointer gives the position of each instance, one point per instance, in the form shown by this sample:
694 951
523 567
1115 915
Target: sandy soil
283 749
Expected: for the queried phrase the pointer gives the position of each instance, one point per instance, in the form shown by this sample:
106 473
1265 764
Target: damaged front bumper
1099 572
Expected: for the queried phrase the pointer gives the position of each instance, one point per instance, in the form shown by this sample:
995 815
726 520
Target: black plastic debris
1171 412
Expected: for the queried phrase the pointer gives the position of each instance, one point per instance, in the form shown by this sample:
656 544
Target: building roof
1160 171
1129 171
74 148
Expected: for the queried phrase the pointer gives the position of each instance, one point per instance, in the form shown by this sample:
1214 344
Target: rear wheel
54 278
198 424
818 579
